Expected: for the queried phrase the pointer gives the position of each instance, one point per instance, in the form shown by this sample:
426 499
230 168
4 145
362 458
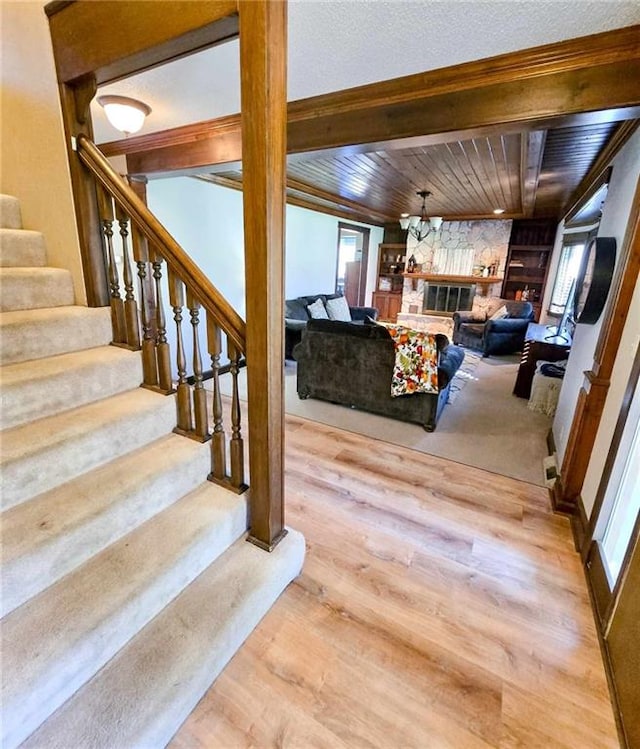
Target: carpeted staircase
127 583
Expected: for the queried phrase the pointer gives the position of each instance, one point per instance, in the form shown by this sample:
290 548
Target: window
567 273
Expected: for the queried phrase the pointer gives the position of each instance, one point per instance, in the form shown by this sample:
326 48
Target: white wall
615 215
33 155
207 221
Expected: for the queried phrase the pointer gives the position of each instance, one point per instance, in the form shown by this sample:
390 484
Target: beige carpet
486 427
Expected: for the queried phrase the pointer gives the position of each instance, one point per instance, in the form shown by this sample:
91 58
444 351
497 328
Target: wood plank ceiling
523 173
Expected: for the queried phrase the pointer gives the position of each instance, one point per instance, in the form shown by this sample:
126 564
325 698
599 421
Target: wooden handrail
180 263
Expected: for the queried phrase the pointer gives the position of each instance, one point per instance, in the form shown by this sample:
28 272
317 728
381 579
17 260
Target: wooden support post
263 48
74 100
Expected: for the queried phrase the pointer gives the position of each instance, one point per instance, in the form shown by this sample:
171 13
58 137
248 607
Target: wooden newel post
263 45
75 99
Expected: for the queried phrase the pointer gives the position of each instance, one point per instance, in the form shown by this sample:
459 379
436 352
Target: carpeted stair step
20 248
34 288
10 217
38 333
46 453
58 640
144 694
54 533
32 390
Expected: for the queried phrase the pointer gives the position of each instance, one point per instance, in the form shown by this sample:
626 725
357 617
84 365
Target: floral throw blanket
416 365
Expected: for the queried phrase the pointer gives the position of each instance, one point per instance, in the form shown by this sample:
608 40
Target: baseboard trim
551 442
579 525
558 503
606 660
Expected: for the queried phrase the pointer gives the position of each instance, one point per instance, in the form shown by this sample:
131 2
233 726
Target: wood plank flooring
440 606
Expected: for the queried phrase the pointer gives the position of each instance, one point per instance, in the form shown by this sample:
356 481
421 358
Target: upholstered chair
476 329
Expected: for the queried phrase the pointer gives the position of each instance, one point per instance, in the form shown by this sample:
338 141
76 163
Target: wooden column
75 100
263 47
592 396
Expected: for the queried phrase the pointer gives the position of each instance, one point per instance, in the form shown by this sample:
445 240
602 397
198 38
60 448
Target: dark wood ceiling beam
139 41
531 161
523 103
517 91
353 212
338 200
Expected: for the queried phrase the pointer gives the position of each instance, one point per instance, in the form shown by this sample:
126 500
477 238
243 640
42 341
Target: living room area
480 422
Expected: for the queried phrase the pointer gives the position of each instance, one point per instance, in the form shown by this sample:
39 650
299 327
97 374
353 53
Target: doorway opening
351 264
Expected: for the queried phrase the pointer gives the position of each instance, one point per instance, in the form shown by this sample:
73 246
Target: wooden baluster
237 444
199 393
218 443
176 299
132 335
163 353
141 257
118 324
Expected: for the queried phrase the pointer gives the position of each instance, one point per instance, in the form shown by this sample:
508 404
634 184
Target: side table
539 345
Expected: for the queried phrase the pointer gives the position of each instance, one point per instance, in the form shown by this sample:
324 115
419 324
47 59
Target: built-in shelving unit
530 248
387 297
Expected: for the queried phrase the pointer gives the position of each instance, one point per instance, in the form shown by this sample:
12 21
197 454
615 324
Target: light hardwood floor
439 606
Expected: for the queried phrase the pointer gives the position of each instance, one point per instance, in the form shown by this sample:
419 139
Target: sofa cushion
338 309
294 309
372 332
500 313
317 310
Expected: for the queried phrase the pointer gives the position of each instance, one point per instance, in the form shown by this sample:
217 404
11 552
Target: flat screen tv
564 329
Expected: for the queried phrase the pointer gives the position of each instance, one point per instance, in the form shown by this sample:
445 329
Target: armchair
505 336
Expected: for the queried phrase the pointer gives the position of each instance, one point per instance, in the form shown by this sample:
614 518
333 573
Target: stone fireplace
450 267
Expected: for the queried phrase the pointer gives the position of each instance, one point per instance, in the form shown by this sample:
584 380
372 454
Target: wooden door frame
603 596
364 260
593 393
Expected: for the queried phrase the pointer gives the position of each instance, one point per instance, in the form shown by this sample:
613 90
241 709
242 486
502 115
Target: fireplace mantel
442 278
452 279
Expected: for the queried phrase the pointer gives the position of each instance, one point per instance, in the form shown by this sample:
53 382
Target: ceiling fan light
124 113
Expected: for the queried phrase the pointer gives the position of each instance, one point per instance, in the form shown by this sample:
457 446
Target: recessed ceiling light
498 211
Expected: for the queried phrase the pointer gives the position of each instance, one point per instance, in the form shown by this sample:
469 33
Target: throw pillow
416 364
500 313
317 310
338 309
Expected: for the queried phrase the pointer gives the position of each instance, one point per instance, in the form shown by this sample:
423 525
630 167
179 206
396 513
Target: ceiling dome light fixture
498 211
420 226
124 113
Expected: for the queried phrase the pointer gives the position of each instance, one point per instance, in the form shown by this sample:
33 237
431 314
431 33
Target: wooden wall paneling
597 171
532 150
116 38
568 155
592 397
263 65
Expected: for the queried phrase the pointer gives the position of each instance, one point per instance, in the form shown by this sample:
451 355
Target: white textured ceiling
336 44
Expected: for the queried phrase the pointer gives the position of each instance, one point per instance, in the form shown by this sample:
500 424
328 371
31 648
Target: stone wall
459 248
